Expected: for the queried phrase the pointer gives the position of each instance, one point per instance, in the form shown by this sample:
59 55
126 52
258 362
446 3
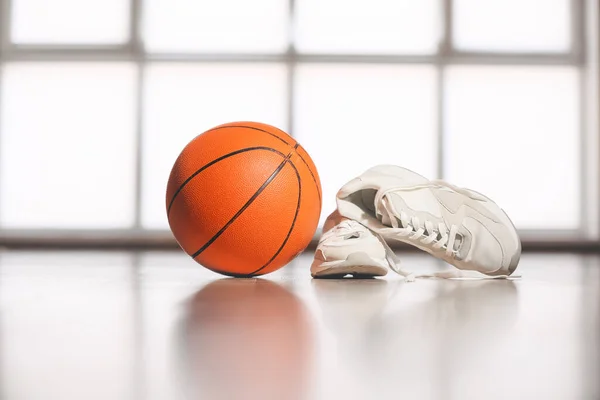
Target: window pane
367 26
512 25
353 117
216 26
70 21
67 154
182 101
512 133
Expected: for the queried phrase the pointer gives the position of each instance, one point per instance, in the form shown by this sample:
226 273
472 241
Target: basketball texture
243 199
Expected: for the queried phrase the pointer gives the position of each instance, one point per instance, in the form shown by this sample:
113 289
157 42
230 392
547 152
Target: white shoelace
394 263
349 227
440 238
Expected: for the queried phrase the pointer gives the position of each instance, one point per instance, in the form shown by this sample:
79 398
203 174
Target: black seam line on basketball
287 237
311 173
241 210
249 127
216 160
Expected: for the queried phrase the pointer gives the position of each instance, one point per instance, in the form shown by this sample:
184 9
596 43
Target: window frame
583 55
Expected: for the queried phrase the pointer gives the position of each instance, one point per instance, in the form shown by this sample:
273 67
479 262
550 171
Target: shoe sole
359 265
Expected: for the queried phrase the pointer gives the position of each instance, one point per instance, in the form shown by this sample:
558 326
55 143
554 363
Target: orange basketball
243 199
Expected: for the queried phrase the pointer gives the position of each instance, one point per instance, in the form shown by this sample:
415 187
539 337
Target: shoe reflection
378 307
455 312
392 334
349 306
247 339
459 329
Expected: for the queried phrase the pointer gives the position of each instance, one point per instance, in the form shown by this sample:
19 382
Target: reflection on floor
102 325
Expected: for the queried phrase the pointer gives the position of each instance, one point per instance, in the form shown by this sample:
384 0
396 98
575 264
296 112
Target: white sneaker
457 225
348 248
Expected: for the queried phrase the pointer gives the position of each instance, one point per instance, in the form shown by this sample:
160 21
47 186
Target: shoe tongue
384 219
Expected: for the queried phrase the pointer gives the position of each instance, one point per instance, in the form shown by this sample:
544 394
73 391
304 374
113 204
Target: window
67 158
98 97
69 22
223 26
512 26
506 129
367 26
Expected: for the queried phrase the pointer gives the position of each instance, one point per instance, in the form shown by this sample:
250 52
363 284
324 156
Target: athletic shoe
457 225
348 248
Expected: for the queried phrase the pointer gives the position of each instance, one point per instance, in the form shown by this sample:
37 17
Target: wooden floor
101 325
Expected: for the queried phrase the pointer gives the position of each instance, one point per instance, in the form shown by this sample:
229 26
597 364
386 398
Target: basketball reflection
246 339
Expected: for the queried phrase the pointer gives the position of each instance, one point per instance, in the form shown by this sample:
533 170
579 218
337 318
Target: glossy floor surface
102 325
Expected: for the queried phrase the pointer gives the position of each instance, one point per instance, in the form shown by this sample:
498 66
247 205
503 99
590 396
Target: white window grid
583 55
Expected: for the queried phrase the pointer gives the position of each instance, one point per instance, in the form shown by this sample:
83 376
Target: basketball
243 199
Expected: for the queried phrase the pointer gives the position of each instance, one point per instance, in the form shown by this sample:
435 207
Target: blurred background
98 97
